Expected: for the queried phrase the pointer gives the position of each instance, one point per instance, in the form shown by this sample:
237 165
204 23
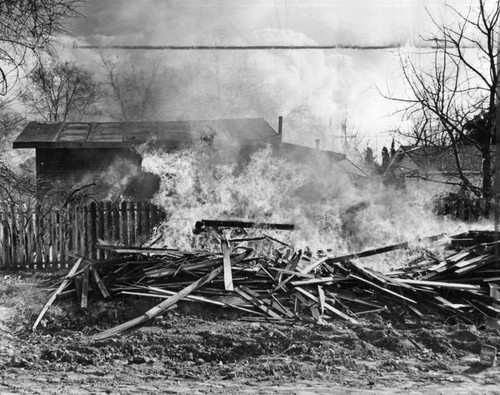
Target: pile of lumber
265 279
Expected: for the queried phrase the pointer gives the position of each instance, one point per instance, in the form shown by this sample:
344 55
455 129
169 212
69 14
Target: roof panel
37 133
107 132
75 132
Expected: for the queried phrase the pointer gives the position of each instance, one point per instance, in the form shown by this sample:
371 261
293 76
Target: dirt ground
200 350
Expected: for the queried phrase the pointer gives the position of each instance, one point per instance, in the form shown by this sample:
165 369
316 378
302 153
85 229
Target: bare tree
10 121
61 91
458 88
137 93
27 26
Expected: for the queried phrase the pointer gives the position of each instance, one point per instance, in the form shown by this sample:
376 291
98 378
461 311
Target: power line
242 47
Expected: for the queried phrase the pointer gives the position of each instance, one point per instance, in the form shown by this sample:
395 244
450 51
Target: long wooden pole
166 304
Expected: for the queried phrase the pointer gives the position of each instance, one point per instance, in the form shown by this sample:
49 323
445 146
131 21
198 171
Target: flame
329 210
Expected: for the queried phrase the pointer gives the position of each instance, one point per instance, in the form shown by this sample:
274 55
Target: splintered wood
287 286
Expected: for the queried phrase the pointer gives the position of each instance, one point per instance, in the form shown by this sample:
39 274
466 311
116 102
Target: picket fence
35 238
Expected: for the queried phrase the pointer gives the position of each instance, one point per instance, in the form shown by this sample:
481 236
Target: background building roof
441 158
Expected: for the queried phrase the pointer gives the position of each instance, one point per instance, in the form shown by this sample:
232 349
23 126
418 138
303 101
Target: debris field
265 280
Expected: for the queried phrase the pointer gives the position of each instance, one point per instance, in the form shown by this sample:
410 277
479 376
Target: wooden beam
464 287
84 299
53 297
327 306
257 303
384 290
100 284
226 256
151 313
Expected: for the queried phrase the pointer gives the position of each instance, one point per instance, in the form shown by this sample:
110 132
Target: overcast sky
320 85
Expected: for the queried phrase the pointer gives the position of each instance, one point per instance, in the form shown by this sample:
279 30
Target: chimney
317 144
280 127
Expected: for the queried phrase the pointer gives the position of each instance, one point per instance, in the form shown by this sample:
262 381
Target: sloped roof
297 152
441 158
239 132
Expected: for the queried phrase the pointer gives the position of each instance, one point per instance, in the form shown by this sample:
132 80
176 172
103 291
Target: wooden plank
321 280
327 306
100 284
282 308
154 216
160 307
273 303
131 224
100 228
358 301
93 229
321 297
146 219
86 232
63 239
30 236
139 221
53 297
163 293
47 238
228 275
22 237
447 303
84 299
108 225
384 290
123 223
191 267
38 237
116 223
417 312
376 251
474 266
313 265
14 238
6 237
292 273
257 303
441 284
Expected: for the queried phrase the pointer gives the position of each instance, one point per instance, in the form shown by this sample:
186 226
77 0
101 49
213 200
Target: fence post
147 222
139 221
131 223
100 229
85 223
108 225
63 236
123 223
6 237
116 223
38 221
22 240
93 230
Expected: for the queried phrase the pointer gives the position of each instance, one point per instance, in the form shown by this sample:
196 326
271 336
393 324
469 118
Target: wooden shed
68 153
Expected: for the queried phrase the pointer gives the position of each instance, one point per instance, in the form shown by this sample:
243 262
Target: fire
329 210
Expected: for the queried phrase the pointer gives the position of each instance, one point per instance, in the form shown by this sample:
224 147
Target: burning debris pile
266 280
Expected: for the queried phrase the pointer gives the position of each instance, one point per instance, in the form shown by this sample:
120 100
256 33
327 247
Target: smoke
313 89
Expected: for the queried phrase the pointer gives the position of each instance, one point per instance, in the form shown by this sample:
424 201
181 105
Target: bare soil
199 350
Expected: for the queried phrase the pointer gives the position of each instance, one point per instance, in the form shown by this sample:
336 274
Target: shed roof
238 132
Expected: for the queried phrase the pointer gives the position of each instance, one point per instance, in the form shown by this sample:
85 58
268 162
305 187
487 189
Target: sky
315 90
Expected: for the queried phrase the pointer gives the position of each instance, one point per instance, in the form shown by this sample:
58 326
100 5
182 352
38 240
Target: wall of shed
64 168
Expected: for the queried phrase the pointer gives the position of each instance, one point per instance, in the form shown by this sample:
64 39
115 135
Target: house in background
436 166
72 153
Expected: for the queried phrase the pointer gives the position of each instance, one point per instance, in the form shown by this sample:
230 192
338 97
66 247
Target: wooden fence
39 238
